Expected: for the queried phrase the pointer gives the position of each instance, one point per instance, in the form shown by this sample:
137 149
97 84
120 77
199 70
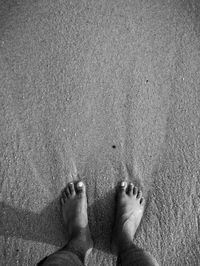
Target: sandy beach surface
108 90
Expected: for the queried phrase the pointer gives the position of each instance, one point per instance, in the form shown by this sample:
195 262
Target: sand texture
76 78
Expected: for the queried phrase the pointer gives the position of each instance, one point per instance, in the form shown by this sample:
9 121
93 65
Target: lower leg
129 211
74 213
74 210
61 258
136 256
78 246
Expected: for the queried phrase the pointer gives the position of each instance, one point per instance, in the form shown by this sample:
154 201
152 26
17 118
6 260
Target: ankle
77 247
79 235
80 243
125 245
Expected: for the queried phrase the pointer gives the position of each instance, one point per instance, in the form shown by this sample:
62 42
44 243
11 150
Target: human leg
135 256
129 211
74 212
61 258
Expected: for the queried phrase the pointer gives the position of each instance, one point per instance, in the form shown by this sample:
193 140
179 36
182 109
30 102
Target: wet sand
76 78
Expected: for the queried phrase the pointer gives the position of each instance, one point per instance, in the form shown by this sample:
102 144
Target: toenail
122 184
80 184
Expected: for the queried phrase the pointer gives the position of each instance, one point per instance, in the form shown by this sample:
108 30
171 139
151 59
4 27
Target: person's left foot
74 212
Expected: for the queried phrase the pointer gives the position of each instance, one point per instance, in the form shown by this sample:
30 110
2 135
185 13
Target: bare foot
129 212
74 212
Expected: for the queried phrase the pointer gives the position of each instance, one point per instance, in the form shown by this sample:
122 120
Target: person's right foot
129 212
75 218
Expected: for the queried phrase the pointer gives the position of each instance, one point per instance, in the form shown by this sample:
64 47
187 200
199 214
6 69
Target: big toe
80 188
121 189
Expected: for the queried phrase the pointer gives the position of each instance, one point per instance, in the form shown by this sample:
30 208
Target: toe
130 189
135 191
139 194
67 192
62 201
71 188
122 187
142 201
80 187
